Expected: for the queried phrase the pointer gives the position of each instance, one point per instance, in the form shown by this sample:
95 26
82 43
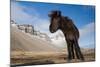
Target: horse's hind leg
78 51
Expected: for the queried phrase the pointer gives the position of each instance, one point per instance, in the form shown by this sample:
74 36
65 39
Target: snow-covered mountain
58 39
29 29
25 41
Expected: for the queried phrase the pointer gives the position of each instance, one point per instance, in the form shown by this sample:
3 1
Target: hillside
21 41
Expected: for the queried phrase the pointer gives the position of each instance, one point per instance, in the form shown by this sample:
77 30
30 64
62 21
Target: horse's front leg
69 50
72 50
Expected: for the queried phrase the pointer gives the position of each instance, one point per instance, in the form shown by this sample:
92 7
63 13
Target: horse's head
55 21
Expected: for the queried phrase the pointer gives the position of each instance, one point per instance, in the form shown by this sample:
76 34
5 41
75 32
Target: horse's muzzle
52 31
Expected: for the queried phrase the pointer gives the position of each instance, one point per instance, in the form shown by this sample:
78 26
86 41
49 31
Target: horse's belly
71 36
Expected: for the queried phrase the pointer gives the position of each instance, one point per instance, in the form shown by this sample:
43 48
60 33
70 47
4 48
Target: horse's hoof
82 60
69 60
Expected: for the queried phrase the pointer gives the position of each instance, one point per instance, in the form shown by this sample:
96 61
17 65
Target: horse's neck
63 23
68 25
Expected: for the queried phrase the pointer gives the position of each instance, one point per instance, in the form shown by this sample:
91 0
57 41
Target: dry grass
35 58
27 57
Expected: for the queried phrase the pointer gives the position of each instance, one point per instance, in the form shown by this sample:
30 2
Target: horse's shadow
34 63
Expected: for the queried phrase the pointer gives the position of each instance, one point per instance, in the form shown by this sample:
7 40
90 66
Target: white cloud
19 15
58 39
42 25
87 37
87 29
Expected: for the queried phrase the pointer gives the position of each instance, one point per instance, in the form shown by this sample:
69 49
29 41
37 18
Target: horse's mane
68 24
68 19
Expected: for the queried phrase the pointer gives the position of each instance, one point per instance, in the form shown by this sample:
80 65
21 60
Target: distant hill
21 41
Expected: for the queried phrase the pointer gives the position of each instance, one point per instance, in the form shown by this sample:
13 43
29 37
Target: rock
26 28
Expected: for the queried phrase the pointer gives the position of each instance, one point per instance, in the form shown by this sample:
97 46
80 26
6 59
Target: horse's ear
58 13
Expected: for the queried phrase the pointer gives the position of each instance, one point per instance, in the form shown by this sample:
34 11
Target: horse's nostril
51 31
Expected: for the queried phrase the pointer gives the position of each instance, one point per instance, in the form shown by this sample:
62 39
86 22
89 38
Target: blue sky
36 13
86 13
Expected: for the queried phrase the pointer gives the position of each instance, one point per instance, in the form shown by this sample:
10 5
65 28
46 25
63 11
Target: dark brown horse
70 32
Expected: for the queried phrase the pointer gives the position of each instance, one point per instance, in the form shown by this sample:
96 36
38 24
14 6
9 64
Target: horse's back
70 30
